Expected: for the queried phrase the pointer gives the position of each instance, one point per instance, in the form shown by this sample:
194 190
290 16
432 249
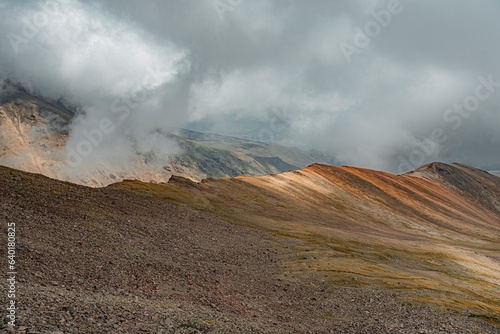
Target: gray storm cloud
127 83
379 84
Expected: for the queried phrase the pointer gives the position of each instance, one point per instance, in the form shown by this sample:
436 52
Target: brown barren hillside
323 250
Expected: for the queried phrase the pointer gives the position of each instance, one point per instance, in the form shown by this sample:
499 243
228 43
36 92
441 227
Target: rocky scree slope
321 250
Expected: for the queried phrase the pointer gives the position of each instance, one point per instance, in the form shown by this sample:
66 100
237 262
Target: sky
388 85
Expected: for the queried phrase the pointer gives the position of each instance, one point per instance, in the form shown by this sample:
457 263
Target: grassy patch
191 324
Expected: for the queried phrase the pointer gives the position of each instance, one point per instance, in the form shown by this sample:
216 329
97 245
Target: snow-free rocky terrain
320 250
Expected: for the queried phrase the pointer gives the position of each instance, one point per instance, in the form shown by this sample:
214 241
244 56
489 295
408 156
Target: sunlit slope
420 234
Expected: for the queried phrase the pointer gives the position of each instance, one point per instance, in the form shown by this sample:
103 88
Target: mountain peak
436 167
477 184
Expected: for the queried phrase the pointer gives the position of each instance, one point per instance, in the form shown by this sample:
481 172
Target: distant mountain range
34 132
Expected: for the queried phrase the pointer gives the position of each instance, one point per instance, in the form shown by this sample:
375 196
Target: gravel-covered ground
112 261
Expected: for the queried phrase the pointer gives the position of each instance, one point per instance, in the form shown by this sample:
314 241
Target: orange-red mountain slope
433 233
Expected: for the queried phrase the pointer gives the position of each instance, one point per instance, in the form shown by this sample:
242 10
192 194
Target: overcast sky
380 84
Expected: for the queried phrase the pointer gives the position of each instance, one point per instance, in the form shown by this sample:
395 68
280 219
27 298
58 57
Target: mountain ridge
280 248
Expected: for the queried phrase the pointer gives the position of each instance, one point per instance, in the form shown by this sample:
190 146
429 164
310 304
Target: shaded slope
478 185
210 160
